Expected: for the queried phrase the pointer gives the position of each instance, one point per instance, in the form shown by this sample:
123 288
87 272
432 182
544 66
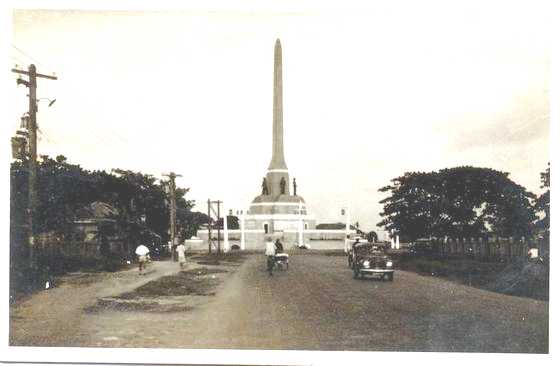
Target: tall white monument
278 209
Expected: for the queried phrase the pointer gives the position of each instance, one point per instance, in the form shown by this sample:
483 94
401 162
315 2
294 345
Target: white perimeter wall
255 239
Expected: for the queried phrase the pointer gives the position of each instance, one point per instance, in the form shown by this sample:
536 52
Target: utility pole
217 213
218 219
172 211
31 84
209 227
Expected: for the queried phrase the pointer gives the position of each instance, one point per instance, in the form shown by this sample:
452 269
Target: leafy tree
64 188
232 222
190 221
372 237
462 201
542 203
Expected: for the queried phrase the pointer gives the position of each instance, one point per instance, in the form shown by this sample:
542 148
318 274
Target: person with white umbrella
142 252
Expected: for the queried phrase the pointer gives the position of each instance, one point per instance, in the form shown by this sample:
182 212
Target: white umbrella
142 250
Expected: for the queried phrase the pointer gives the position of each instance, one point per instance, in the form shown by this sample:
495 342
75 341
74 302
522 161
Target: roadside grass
177 292
48 270
214 259
518 278
198 282
467 271
165 294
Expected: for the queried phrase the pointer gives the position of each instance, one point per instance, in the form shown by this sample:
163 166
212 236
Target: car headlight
366 264
389 264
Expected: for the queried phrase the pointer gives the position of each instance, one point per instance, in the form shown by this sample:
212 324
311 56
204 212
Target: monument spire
277 161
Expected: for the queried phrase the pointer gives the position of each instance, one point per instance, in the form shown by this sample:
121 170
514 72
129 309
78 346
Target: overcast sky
369 93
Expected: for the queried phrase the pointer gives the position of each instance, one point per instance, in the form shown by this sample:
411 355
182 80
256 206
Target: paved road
317 305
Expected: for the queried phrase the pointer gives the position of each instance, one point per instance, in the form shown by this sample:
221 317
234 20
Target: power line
46 136
19 62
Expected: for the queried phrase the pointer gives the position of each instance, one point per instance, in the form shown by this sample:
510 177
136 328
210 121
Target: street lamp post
242 227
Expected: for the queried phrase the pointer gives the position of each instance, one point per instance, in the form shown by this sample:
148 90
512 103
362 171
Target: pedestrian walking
143 255
270 252
181 254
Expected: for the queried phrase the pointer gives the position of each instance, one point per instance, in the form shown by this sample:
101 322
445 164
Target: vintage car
371 259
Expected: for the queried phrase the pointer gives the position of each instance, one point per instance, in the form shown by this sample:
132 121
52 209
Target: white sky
369 93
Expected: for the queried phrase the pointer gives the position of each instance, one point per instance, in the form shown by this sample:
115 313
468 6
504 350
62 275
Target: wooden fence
488 248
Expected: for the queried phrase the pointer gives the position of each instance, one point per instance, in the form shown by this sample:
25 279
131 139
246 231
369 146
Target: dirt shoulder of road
79 308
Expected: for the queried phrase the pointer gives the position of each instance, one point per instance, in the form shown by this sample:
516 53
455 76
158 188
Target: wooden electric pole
31 84
172 211
217 213
209 227
218 221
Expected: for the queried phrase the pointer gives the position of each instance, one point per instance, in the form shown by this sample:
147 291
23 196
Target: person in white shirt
181 254
142 252
270 252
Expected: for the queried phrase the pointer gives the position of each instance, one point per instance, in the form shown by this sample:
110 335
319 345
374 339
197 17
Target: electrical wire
18 61
46 136
32 58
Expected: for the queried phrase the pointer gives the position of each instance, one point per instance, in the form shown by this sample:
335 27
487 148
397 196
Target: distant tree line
463 202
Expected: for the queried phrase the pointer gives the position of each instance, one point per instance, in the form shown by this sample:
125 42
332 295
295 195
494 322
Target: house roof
97 211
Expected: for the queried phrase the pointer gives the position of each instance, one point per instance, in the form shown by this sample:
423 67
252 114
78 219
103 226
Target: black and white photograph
285 178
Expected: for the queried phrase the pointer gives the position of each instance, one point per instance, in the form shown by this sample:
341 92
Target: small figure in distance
143 256
270 252
181 255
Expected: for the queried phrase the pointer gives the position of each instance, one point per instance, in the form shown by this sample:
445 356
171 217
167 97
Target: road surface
315 305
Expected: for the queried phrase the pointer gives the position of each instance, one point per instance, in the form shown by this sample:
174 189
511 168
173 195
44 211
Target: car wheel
356 273
389 276
287 266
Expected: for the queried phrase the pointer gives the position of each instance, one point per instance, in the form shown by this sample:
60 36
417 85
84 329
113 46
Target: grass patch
222 258
518 278
197 282
112 304
158 295
467 271
25 281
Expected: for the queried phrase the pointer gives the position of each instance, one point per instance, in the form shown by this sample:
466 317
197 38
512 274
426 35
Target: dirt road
315 305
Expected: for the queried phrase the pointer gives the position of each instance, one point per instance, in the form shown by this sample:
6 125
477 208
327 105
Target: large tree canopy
462 201
64 188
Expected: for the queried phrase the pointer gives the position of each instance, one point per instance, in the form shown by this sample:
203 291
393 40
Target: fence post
511 243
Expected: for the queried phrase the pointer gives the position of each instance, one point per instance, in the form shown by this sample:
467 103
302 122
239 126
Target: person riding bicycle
279 247
270 252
